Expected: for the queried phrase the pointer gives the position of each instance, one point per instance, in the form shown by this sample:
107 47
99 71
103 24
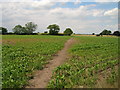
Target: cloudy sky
81 17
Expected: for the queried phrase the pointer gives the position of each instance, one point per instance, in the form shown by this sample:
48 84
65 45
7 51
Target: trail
42 77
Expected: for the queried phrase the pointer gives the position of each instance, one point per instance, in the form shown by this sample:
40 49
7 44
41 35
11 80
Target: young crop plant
90 57
22 54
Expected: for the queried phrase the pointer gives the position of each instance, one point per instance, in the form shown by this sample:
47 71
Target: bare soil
42 77
102 83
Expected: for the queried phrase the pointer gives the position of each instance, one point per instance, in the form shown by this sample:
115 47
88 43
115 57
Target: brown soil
102 83
42 77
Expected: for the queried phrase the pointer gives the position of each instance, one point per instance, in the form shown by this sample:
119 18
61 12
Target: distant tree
45 31
109 32
18 29
53 29
68 31
3 30
98 35
116 33
105 32
30 27
24 30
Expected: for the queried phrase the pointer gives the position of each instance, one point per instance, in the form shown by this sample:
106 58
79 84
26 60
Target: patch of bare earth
42 77
102 76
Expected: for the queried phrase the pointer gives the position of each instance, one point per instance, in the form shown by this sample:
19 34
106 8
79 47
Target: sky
82 17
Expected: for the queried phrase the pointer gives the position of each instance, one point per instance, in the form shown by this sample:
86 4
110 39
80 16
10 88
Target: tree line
54 29
30 27
108 32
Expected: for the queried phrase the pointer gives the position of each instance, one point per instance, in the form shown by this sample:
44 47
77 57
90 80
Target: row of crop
20 59
88 60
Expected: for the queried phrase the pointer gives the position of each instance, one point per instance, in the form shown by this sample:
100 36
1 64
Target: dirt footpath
42 77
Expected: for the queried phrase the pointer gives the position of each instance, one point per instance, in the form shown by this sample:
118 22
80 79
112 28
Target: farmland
21 54
92 58
92 61
59 44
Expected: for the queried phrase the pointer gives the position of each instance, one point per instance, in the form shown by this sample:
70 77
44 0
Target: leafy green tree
24 30
3 30
30 27
68 31
117 33
18 29
53 29
105 32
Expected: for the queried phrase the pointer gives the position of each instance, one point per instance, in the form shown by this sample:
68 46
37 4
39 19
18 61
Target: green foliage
90 56
23 54
53 29
117 33
30 27
105 32
3 30
18 29
68 31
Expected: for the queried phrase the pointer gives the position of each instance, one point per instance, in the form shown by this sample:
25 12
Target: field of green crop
21 54
92 58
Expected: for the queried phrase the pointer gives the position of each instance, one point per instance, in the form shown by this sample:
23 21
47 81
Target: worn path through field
42 77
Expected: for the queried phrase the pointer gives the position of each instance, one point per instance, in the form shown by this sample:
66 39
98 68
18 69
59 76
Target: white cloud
98 13
81 19
113 27
82 11
42 4
106 1
77 2
111 12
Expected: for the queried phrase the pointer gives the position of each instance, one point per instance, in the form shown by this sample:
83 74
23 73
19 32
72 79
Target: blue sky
105 5
82 17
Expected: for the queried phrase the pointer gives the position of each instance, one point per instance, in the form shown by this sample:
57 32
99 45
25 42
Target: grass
90 57
21 54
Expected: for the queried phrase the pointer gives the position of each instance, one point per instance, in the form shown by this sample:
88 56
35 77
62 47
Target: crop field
93 64
93 61
21 54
